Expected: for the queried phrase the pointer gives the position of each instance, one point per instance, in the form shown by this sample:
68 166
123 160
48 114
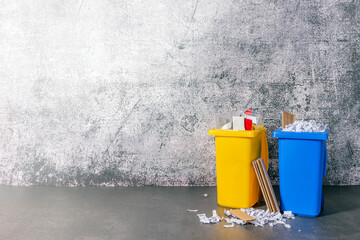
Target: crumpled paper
213 219
305 126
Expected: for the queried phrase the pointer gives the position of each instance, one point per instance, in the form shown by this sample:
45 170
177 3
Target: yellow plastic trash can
237 185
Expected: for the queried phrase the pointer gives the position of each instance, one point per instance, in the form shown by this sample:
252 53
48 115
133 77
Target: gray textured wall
124 92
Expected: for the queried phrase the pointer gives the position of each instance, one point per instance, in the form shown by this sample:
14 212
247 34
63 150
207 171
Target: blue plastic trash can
302 167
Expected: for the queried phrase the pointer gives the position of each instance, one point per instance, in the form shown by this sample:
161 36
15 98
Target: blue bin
302 167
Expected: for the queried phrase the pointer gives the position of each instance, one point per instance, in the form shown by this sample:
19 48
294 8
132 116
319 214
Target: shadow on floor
337 199
340 199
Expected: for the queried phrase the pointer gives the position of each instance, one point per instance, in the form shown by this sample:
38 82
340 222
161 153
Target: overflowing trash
290 124
262 217
302 146
243 120
237 185
305 126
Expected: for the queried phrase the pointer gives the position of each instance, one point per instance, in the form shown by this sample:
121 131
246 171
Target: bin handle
325 161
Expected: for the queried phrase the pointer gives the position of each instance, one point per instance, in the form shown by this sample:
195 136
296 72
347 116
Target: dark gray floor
155 213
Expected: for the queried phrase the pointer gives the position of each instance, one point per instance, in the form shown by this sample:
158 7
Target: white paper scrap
205 195
203 218
227 212
213 219
288 214
238 221
192 210
229 226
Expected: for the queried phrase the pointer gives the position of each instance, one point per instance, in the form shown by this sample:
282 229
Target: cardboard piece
287 118
265 185
238 123
261 184
269 186
264 189
241 215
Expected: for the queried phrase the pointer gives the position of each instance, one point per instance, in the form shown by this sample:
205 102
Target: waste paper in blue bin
302 167
305 126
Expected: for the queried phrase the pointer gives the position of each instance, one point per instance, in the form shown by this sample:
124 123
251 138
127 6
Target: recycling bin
237 185
302 167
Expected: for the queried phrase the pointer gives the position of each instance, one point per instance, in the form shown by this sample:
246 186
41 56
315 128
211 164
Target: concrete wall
124 92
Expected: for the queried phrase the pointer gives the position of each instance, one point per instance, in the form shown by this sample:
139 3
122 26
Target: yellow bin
237 185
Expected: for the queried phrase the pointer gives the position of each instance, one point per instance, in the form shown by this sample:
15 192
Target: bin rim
279 133
236 133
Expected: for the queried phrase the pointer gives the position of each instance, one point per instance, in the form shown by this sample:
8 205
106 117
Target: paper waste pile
305 126
261 216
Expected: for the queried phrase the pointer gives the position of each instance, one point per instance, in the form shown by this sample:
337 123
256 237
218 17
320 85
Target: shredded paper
192 210
305 126
214 219
261 216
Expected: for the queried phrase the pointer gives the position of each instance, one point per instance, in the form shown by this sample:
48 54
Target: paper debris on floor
213 219
280 222
192 210
203 218
235 220
288 214
259 217
205 195
229 226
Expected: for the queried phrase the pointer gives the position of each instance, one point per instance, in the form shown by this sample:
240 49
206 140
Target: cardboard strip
277 209
256 170
269 186
287 118
262 186
265 185
272 208
241 215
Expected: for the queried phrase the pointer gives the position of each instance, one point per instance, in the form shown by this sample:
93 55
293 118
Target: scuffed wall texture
124 92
